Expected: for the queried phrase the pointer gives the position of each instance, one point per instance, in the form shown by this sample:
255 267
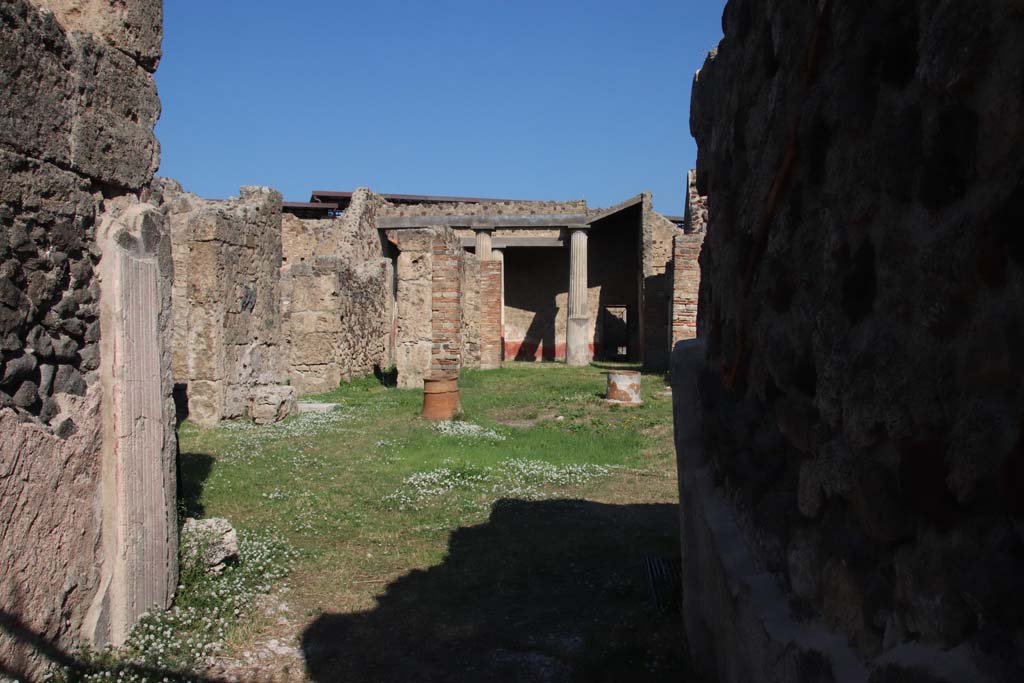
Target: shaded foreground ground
512 550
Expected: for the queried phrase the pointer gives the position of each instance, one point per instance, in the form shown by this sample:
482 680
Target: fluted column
577 347
483 245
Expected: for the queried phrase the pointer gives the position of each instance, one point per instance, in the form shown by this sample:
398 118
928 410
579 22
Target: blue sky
526 100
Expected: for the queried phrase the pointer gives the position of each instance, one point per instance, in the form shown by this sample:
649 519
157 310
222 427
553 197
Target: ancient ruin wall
471 310
658 235
685 285
696 211
337 297
685 265
227 337
428 300
500 208
413 341
863 274
76 149
446 305
491 333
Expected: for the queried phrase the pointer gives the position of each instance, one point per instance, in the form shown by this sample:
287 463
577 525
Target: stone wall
685 285
428 304
861 302
500 208
337 297
84 299
228 333
685 264
658 235
536 301
696 211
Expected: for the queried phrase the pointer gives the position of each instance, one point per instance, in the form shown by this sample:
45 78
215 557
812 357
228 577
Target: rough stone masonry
226 299
88 535
851 438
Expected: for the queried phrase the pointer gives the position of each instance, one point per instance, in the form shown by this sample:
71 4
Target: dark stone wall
77 110
76 129
863 297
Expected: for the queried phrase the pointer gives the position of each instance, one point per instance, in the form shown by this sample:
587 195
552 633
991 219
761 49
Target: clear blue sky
522 99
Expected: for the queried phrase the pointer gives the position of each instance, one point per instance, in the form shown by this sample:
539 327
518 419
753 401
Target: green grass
371 493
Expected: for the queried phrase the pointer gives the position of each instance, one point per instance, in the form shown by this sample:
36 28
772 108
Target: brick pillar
446 306
490 314
685 285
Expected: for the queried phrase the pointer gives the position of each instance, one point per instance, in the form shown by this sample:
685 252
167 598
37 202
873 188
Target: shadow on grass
28 651
551 590
193 471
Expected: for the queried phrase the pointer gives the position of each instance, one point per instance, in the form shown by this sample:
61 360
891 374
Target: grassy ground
511 548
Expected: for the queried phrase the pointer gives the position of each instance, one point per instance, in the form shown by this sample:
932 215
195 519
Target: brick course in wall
470 277
685 285
446 306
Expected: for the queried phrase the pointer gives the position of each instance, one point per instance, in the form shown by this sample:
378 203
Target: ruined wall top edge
508 208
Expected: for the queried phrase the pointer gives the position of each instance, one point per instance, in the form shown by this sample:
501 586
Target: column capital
483 243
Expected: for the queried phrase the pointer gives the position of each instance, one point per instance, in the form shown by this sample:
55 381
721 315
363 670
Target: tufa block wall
863 273
413 305
428 300
337 297
658 234
226 298
84 300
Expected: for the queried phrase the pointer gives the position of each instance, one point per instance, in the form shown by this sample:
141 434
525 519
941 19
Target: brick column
491 276
446 307
577 350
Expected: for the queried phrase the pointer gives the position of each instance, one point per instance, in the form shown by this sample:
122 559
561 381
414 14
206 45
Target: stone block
272 404
210 543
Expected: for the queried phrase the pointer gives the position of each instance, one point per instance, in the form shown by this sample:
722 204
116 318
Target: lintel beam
513 242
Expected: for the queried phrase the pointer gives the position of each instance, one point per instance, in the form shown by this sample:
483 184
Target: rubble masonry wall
226 298
337 297
79 258
863 273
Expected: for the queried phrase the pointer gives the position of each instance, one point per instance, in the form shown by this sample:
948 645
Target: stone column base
577 349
